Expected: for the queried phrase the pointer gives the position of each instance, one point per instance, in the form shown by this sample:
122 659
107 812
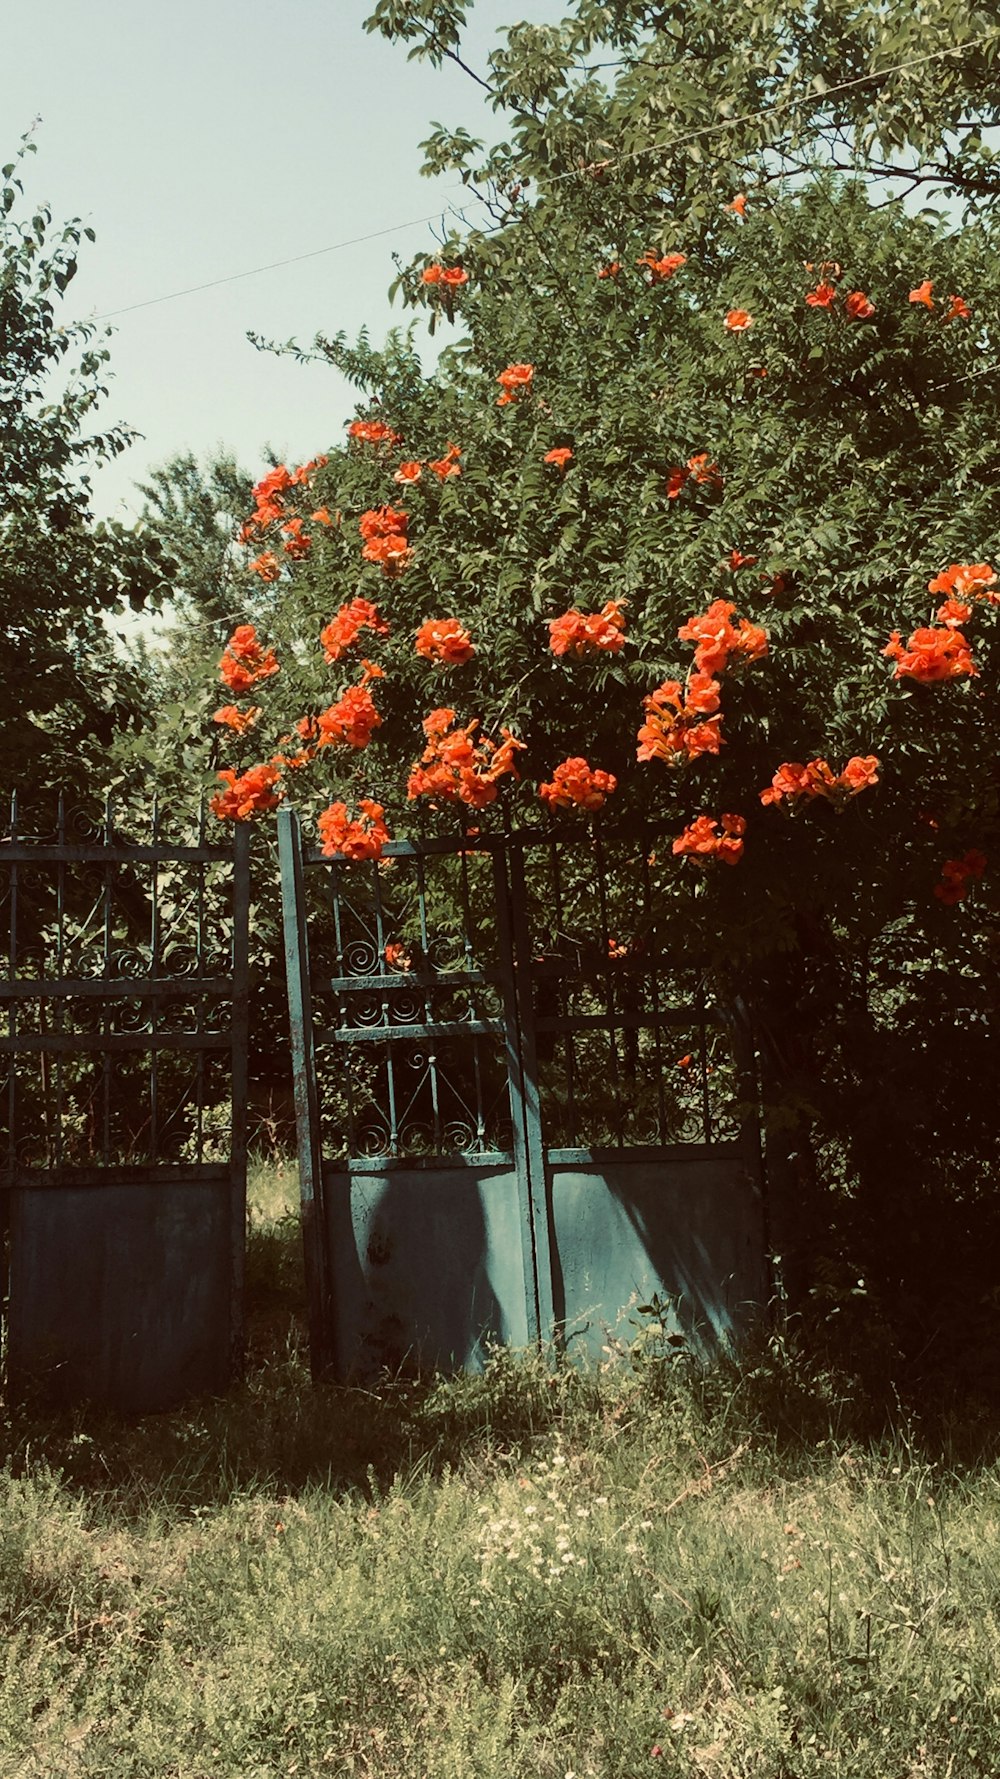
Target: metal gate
515 1121
123 1038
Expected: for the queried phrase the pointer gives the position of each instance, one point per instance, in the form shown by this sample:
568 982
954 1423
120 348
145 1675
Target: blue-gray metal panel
122 1294
688 1230
426 1267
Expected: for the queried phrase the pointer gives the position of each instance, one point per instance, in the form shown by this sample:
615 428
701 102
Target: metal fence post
305 1087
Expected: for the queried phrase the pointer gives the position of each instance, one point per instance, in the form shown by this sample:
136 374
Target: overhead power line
810 97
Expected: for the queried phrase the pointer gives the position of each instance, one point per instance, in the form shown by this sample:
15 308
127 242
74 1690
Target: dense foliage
65 691
709 477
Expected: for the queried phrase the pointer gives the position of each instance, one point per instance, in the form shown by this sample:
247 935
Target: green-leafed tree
66 692
717 371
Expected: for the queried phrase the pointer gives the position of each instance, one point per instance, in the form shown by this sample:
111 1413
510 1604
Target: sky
210 137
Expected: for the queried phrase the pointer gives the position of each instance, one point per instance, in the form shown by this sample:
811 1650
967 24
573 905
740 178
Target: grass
648 1570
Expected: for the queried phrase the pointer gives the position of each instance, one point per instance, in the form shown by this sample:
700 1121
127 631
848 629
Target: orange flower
737 321
266 565
351 721
237 720
953 614
958 310
931 655
698 469
675 729
448 465
297 543
359 837
251 794
396 956
445 640
408 473
382 521
560 456
611 270
451 276
574 785
337 636
823 297
373 432
585 633
244 661
966 580
793 781
922 294
703 841
321 516
738 205
717 638
514 381
391 553
737 560
454 768
857 307
661 269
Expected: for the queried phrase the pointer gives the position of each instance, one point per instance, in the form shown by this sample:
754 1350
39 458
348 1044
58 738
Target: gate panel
123 1044
412 1121
656 1189
538 1122
683 1227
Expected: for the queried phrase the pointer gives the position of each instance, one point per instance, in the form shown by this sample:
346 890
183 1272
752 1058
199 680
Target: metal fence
517 1116
123 1036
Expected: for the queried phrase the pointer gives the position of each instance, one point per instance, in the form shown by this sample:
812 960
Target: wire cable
728 123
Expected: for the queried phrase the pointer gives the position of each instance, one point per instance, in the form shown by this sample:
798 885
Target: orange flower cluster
248 795
455 768
931 655
357 837
238 720
443 467
698 469
266 565
396 956
445 640
384 533
514 381
373 432
351 721
244 661
681 725
337 636
269 495
957 874
738 321
717 638
560 456
589 633
661 269
792 781
706 839
450 276
958 309
448 465
966 580
297 541
574 785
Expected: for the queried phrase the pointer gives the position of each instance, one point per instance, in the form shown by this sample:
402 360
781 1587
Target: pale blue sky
211 136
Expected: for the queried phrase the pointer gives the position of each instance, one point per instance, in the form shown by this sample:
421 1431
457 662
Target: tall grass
528 1573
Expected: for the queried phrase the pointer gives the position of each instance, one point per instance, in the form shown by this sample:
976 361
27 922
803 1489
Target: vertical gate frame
530 1163
305 1087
